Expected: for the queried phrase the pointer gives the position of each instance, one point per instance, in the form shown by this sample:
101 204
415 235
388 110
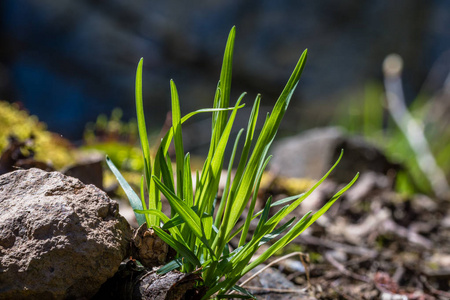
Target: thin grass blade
174 264
134 200
141 122
178 138
179 247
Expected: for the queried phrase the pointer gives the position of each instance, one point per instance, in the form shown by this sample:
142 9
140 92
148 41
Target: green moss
48 147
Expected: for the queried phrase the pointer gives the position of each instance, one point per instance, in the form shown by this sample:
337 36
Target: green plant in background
197 229
370 119
117 138
48 147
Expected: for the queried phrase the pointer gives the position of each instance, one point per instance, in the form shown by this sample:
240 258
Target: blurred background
71 64
69 61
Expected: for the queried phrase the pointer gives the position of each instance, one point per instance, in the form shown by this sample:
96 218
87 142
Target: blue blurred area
69 61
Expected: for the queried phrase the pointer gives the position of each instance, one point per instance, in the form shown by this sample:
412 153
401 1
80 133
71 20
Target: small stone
149 248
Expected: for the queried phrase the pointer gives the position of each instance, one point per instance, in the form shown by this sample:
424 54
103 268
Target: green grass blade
265 138
240 260
243 291
144 205
207 110
244 294
245 151
253 203
304 223
276 232
166 172
331 201
155 212
225 85
298 227
165 219
178 220
227 184
264 216
248 141
286 200
187 184
178 138
179 247
190 217
134 200
297 202
141 122
174 264
209 180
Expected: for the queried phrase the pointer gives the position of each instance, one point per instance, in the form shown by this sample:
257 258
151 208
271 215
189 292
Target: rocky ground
373 243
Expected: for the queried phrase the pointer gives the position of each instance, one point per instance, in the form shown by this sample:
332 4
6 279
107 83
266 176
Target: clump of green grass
198 230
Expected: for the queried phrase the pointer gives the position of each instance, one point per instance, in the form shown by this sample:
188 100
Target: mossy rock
48 147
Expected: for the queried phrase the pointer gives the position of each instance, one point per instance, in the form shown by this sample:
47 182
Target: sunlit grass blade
304 223
227 183
208 110
244 154
286 200
233 211
165 219
276 232
187 184
180 248
166 172
298 227
242 257
224 86
248 141
297 202
178 220
298 199
190 217
209 180
155 212
134 200
144 205
332 200
178 138
264 140
253 203
264 216
294 232
141 122
180 207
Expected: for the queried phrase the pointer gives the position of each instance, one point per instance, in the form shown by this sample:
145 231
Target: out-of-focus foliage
117 138
48 147
364 113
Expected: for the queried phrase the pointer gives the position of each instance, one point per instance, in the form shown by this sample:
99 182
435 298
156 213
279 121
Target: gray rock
59 238
89 169
312 153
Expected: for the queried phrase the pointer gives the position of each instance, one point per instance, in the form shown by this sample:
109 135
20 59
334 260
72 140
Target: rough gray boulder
59 238
312 153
